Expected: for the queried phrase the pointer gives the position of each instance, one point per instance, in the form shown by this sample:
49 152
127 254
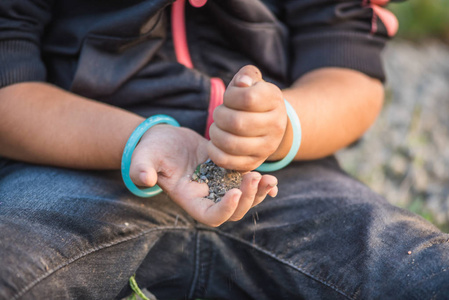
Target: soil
219 180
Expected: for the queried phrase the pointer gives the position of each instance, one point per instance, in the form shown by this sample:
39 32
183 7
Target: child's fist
250 124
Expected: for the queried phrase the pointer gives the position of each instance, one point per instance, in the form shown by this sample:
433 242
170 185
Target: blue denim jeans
67 234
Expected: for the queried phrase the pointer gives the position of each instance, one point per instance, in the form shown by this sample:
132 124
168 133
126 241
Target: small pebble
203 170
410 252
218 179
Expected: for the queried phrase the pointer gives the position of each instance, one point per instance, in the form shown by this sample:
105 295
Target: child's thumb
247 76
142 170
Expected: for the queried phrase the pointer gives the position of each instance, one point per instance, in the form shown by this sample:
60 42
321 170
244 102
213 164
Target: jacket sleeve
338 33
22 24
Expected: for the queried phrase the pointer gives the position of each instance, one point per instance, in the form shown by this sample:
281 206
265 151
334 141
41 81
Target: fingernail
255 181
235 198
272 196
143 177
245 79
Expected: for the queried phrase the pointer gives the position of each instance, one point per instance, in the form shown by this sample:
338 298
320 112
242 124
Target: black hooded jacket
121 51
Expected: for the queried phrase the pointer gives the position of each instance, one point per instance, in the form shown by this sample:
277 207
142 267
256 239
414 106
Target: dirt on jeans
219 180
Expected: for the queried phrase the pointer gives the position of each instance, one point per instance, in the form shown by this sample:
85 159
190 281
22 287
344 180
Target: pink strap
380 2
179 34
387 17
217 87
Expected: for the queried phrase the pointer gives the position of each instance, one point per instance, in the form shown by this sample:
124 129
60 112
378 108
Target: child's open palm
168 155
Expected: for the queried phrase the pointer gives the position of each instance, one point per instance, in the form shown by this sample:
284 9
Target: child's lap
324 231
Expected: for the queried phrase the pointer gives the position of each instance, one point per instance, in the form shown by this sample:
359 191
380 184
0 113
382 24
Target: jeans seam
211 267
93 250
197 265
299 269
430 276
441 240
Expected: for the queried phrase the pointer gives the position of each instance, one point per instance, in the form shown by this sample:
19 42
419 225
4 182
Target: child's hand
168 155
250 124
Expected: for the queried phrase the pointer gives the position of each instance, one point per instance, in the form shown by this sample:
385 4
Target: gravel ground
405 155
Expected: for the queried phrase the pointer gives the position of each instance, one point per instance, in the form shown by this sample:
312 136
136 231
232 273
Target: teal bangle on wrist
128 152
296 125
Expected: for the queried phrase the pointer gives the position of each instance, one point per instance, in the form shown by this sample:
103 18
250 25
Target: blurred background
405 155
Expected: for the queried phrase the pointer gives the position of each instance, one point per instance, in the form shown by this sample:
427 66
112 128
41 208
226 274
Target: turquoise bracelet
128 152
296 125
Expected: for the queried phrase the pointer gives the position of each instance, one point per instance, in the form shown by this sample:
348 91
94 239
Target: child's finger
241 146
267 186
249 187
273 192
249 124
261 97
232 162
213 214
246 76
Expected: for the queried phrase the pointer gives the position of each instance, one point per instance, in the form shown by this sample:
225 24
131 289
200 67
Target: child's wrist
129 149
295 142
284 145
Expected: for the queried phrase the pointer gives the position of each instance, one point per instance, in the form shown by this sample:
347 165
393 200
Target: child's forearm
335 107
42 124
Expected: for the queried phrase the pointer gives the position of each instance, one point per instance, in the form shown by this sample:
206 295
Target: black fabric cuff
20 61
357 51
